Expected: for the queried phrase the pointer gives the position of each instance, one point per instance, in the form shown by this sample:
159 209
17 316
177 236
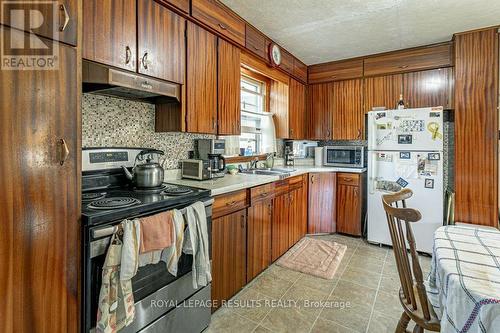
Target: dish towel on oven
157 234
130 250
116 300
196 243
172 254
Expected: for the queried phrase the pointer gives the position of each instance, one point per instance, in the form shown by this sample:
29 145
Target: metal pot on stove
148 173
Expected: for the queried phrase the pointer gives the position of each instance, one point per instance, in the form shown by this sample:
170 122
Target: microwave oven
345 156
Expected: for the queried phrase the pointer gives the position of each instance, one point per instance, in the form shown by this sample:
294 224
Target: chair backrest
399 218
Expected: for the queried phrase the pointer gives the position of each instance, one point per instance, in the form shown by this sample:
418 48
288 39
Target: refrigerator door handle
373 173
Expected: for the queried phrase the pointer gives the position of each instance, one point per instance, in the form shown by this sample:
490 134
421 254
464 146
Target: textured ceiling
318 31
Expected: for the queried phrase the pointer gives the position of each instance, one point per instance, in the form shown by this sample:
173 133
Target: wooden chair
412 293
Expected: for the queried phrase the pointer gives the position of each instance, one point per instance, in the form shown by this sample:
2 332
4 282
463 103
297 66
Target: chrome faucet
253 163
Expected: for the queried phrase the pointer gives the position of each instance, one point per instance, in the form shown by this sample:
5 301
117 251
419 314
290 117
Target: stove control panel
94 159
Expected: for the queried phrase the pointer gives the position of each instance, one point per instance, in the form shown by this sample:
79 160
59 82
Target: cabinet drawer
281 187
227 203
256 42
410 60
348 179
335 71
219 18
262 192
295 183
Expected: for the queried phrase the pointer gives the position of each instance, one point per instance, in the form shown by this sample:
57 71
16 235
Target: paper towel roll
318 156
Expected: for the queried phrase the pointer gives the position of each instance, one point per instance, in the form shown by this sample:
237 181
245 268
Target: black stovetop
149 203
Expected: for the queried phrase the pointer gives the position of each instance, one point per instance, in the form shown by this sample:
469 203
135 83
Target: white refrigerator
405 150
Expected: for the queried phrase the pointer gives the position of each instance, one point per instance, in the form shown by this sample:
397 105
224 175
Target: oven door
341 157
152 286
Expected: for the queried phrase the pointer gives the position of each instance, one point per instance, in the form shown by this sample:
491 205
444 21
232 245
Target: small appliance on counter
204 169
205 147
345 156
301 149
289 158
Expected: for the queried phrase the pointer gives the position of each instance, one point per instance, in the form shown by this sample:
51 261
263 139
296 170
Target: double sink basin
281 173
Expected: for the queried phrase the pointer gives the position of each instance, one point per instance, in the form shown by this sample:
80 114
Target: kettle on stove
148 174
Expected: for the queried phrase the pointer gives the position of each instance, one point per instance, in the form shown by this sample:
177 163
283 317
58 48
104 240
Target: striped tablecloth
464 282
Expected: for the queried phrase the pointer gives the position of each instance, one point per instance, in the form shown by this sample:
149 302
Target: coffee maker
217 164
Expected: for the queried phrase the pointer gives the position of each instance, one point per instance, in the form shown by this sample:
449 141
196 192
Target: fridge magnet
433 127
434 156
405 155
388 186
379 115
405 139
401 182
429 183
381 126
412 126
434 114
383 157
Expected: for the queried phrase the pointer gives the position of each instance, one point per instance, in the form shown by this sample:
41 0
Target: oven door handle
108 231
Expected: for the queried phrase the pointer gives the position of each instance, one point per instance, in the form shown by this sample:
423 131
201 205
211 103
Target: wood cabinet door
300 70
320 104
348 115
280 226
348 209
297 110
218 17
40 205
109 32
256 42
201 110
382 91
335 71
428 88
228 255
321 212
259 237
297 215
59 19
229 89
160 42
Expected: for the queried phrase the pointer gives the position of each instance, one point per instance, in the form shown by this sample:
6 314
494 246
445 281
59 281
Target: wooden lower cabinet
321 212
229 246
348 210
297 214
259 237
280 226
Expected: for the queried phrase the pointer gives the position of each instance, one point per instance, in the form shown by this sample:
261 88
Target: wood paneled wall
476 127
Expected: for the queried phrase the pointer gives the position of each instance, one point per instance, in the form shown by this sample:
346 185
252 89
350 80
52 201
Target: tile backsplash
112 122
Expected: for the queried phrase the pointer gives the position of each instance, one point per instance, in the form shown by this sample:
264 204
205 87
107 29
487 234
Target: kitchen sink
282 173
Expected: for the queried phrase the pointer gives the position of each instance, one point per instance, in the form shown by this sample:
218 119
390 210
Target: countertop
231 183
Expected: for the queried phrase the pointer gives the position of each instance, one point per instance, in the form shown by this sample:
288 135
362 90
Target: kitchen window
253 114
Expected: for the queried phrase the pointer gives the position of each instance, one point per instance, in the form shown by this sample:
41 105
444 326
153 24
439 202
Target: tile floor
361 298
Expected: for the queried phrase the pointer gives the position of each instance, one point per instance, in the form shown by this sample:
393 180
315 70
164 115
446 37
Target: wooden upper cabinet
229 253
335 71
201 109
286 61
220 18
320 105
229 89
256 42
109 32
429 88
40 205
161 42
300 70
416 59
297 110
348 115
183 5
382 91
259 237
61 28
279 106
322 193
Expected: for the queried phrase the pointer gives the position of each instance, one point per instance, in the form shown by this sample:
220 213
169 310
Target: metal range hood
108 81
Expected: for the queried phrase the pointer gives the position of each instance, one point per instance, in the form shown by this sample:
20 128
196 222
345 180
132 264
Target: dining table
463 285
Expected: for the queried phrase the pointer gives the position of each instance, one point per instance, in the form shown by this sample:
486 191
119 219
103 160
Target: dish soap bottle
401 103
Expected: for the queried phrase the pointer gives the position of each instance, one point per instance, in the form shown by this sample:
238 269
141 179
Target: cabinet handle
242 221
232 203
214 123
128 55
403 66
263 195
328 134
291 131
145 60
63 9
359 134
63 151
355 192
312 179
347 180
222 26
